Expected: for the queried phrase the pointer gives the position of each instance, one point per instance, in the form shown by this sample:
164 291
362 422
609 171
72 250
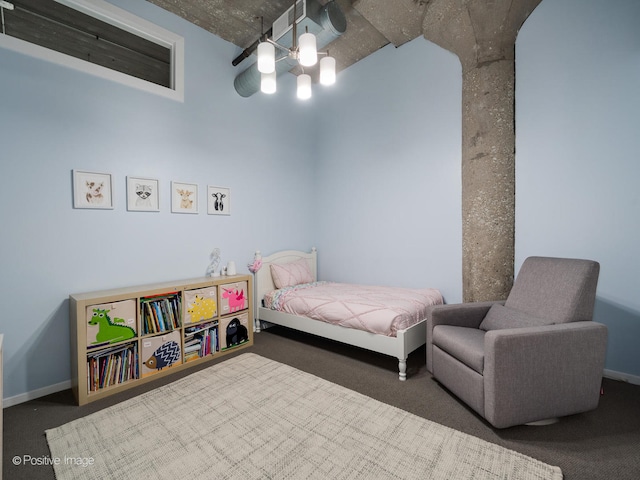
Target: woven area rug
250 417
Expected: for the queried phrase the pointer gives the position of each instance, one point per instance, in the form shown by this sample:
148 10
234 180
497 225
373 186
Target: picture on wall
184 197
92 190
218 200
143 194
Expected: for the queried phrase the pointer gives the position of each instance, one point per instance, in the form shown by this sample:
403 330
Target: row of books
112 366
160 314
200 341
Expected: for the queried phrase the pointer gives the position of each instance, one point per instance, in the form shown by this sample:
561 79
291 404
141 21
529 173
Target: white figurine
212 269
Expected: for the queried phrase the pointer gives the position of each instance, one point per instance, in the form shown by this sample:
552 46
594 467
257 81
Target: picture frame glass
92 190
218 200
184 197
143 194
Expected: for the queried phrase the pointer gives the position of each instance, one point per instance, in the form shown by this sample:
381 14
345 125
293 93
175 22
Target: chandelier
304 51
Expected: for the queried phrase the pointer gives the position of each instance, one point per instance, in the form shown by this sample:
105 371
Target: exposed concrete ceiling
371 24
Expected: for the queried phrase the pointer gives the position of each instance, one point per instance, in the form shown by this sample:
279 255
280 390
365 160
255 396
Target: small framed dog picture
143 194
92 190
184 197
218 200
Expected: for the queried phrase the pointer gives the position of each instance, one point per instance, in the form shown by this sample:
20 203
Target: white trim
33 394
622 377
58 387
127 21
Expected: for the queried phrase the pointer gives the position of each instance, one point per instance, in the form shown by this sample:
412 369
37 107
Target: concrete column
482 34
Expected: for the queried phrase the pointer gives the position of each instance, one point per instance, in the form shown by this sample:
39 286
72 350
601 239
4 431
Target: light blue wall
369 172
54 119
577 144
388 173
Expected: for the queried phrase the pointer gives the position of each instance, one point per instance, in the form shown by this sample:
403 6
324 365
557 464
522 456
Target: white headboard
264 282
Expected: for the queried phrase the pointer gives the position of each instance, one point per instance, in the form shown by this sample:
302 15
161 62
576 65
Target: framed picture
218 200
143 194
92 190
184 197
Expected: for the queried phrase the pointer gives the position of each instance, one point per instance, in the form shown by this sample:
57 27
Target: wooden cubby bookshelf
148 327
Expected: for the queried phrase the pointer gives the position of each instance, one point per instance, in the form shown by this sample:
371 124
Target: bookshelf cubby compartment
111 323
200 304
159 352
160 313
124 337
201 340
235 331
233 297
111 366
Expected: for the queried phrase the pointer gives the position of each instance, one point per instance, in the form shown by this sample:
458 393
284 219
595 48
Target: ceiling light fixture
304 51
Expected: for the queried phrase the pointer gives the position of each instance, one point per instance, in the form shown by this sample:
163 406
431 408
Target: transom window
96 37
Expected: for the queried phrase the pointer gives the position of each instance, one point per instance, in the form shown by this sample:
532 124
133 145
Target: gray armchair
535 357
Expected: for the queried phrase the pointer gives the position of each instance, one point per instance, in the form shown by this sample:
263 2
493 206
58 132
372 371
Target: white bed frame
400 346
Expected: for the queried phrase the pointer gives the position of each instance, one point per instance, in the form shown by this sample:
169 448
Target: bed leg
402 369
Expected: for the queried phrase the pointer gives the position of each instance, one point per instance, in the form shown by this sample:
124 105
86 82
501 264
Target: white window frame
117 17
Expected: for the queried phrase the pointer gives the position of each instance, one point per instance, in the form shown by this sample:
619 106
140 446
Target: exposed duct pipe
326 22
249 50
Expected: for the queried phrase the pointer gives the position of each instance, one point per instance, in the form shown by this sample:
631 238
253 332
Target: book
111 366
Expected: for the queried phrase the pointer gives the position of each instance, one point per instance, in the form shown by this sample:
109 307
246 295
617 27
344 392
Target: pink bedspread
380 310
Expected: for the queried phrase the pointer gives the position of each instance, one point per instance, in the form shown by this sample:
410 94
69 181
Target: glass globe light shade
268 82
308 53
266 57
327 70
304 86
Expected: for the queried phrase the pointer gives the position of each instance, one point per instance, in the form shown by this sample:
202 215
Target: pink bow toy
256 265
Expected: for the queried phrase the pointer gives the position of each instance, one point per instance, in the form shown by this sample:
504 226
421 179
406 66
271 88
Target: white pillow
290 274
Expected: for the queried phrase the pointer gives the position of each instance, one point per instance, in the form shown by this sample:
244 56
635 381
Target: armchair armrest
468 315
458 314
537 373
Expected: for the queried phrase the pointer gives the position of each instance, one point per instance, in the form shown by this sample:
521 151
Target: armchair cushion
468 315
464 344
562 289
499 317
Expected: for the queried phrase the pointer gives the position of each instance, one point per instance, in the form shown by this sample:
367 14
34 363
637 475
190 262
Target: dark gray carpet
602 444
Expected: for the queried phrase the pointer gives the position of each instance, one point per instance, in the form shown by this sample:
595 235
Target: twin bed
386 320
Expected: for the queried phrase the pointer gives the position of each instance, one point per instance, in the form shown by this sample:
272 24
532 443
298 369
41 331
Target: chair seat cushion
464 344
499 317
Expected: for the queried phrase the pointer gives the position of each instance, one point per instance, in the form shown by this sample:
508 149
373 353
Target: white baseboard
623 377
33 394
58 387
